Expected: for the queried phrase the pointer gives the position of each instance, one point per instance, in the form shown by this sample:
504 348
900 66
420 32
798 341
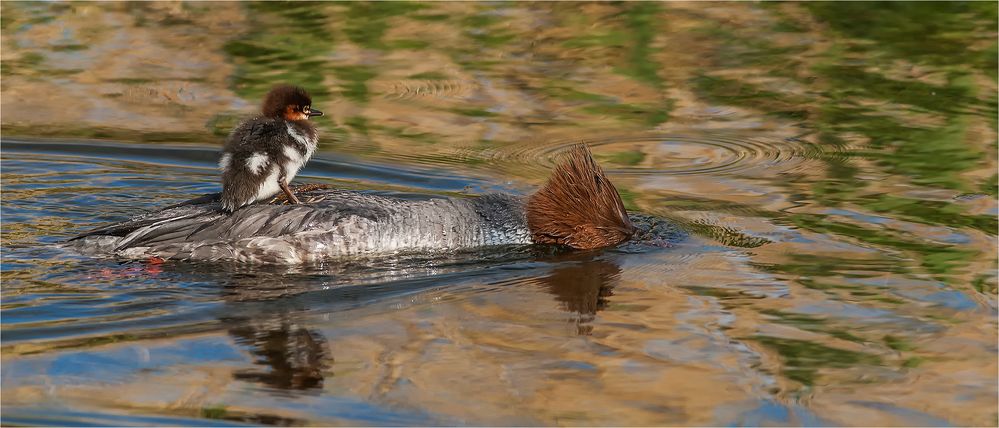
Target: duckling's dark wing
259 134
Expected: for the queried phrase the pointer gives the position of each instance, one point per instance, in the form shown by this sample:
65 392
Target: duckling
263 154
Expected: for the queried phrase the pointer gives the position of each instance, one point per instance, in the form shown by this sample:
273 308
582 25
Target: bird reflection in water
293 357
583 287
289 356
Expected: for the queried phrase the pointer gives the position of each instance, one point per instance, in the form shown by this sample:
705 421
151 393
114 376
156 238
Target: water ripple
411 89
676 154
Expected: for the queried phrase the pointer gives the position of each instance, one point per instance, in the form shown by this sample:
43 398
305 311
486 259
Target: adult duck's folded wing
200 206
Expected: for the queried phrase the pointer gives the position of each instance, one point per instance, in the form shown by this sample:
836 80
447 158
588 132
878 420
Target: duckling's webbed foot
282 198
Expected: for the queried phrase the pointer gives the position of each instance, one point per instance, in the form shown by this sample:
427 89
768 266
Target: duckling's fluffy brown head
289 102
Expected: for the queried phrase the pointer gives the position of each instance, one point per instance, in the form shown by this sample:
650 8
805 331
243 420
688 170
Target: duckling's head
289 102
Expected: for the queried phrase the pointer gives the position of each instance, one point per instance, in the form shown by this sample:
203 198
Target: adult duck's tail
579 206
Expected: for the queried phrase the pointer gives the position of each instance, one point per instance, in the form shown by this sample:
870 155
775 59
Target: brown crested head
578 206
289 102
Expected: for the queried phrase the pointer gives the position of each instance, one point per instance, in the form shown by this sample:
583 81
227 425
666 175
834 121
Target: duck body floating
578 207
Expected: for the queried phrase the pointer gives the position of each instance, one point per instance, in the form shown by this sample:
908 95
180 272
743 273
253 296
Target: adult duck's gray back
330 224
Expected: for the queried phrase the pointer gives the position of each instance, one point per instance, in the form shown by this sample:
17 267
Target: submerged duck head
290 103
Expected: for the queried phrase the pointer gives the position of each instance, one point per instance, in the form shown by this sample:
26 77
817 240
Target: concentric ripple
676 154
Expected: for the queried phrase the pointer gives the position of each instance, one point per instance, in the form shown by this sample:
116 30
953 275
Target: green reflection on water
803 359
365 23
929 212
898 91
286 44
923 124
934 32
812 323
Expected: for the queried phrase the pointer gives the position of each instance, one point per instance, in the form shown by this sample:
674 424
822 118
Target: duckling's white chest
295 158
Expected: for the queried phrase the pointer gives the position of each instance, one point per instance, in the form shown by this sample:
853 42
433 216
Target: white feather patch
257 162
296 160
225 161
293 154
269 187
309 143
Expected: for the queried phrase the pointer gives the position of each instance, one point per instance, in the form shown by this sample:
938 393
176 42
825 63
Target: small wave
409 89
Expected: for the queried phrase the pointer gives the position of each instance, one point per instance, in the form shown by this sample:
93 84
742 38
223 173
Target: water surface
833 163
